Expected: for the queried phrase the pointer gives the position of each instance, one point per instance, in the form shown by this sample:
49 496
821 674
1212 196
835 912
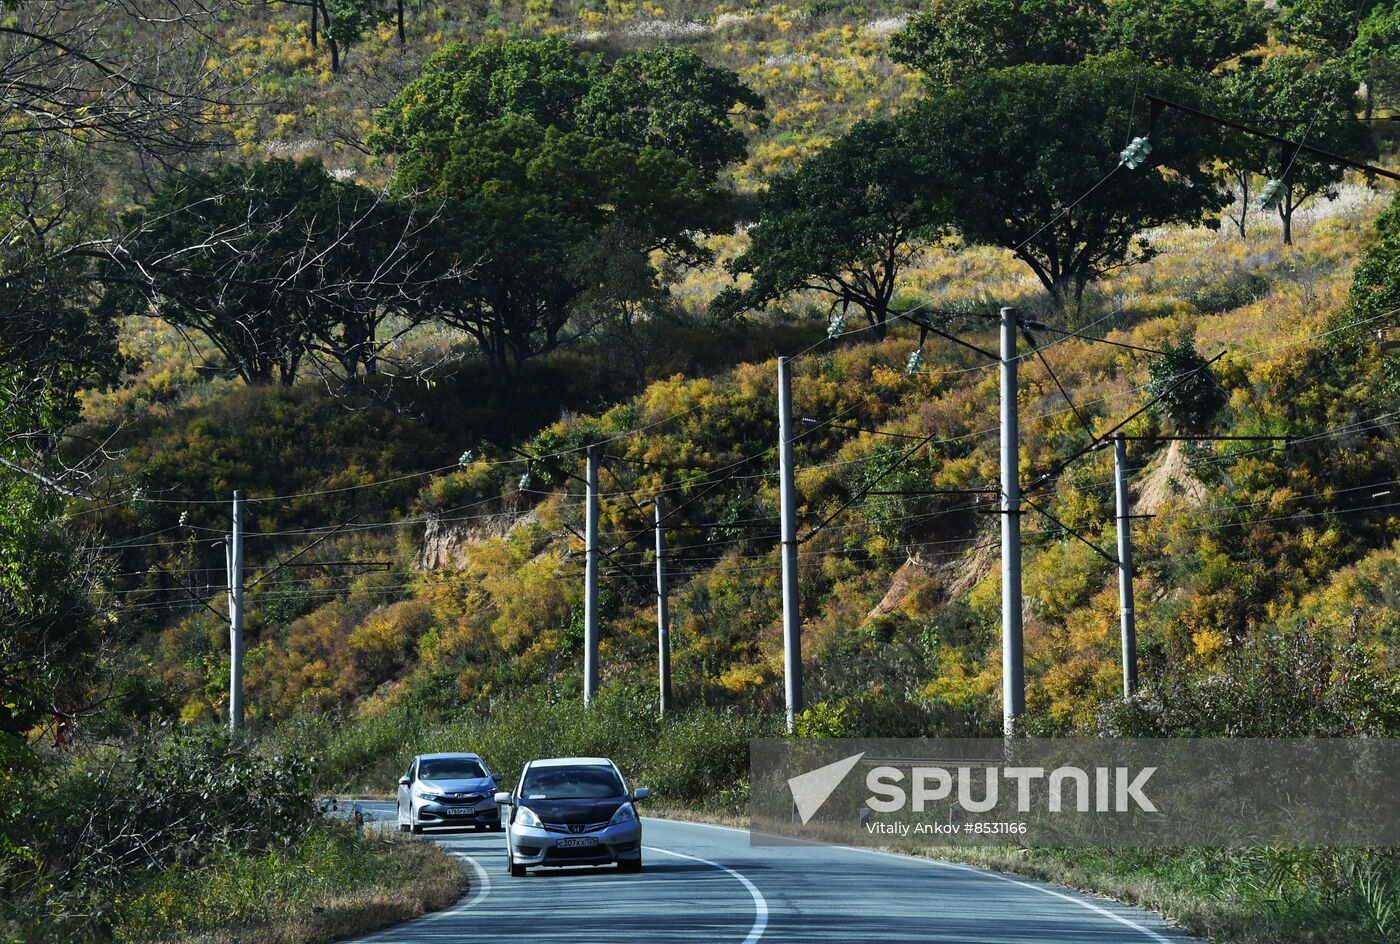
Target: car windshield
450 768
592 782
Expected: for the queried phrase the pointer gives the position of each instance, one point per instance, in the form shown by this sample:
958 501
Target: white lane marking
1082 902
482 890
479 892
690 822
760 904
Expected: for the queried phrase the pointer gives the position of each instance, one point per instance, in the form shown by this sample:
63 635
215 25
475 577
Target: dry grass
420 878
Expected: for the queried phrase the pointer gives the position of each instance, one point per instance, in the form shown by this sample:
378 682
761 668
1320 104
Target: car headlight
624 814
432 797
526 817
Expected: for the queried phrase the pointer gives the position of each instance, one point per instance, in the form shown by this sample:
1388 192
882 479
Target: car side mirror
405 781
496 777
641 793
504 798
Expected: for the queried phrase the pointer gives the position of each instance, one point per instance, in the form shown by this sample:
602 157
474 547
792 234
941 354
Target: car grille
461 797
573 829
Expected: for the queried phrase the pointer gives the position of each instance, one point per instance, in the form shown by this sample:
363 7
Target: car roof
446 756
572 762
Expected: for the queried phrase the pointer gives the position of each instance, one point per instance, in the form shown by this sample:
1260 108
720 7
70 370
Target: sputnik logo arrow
811 790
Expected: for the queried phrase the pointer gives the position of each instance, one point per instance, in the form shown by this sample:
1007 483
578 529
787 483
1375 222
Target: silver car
448 790
568 811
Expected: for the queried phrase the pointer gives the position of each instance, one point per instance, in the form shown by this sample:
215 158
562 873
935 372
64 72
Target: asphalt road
708 884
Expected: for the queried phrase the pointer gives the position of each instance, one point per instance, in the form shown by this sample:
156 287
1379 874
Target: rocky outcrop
1168 479
447 541
950 578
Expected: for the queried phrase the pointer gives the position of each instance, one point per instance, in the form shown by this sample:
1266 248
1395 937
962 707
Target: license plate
463 811
576 842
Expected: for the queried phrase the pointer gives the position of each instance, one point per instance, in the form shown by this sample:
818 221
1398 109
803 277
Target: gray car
569 811
448 790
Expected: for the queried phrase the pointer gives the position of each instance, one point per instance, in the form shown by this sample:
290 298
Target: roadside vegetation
389 267
197 837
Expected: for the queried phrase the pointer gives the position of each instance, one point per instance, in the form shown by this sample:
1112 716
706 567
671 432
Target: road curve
707 884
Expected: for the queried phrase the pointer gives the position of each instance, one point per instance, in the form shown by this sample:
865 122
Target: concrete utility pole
233 551
1127 617
1013 683
787 491
590 593
663 613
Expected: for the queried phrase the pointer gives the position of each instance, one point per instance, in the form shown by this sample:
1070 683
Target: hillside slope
900 594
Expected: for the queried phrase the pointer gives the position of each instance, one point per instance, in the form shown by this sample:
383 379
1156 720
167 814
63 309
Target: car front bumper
453 814
531 845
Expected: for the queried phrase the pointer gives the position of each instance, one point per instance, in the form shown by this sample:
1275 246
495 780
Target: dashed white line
760 904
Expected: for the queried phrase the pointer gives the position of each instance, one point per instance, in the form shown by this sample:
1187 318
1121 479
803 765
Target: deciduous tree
1197 35
1295 98
1325 26
671 98
539 153
1029 160
273 261
951 39
845 225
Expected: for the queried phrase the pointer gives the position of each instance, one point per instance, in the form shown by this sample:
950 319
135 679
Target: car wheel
630 865
516 871
413 825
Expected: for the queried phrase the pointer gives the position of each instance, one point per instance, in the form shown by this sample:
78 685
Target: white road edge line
760 904
1082 902
985 873
480 891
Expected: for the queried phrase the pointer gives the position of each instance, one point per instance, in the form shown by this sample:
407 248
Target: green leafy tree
347 21
1375 282
539 155
1197 35
1029 161
522 202
663 98
949 40
1325 26
1299 100
1375 57
845 224
462 86
52 347
1191 395
671 98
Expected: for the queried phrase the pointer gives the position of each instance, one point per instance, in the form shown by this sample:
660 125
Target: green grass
333 884
1255 895
697 757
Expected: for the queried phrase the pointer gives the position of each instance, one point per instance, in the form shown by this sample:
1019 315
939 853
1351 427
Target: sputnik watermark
1065 792
1114 789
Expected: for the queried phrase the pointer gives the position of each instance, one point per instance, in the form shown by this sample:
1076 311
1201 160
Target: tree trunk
335 47
402 40
315 37
1239 221
1285 213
